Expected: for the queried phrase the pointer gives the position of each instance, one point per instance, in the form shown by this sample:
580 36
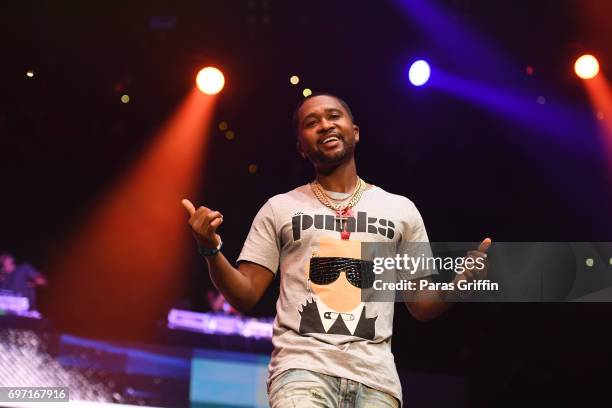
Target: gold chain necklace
354 198
343 212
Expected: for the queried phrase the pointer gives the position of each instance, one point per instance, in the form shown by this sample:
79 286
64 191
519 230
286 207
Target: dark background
65 138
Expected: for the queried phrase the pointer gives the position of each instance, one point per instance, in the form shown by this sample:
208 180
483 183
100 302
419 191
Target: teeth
330 139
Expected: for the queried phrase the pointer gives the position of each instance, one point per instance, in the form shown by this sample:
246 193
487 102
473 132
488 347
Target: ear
356 133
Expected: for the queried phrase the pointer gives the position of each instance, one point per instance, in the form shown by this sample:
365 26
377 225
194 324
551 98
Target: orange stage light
210 80
126 262
600 94
586 67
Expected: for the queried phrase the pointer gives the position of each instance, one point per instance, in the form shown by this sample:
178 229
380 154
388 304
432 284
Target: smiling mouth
330 139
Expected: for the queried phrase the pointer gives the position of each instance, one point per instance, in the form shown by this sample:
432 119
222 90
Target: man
330 347
19 280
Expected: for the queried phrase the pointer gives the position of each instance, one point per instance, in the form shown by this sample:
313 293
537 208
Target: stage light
294 80
541 100
599 91
590 262
252 168
125 98
223 125
30 73
229 135
210 80
586 67
419 73
136 261
306 92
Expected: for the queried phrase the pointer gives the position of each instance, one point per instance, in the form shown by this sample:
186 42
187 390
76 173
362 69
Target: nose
325 125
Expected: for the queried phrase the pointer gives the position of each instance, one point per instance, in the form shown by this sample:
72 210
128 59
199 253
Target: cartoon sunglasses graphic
326 270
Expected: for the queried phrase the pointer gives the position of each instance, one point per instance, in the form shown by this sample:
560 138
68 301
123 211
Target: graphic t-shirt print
334 305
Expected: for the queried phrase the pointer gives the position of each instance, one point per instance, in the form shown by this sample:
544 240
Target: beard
337 157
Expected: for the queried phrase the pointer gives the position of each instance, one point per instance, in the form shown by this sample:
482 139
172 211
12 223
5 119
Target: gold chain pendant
343 212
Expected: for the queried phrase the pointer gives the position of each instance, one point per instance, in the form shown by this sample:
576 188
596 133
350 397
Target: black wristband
210 251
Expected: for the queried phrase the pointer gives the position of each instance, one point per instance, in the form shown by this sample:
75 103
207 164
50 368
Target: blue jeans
302 388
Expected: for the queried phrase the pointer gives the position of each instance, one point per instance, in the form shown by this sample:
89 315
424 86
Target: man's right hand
204 223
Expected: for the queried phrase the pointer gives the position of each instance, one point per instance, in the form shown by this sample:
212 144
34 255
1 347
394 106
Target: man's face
326 133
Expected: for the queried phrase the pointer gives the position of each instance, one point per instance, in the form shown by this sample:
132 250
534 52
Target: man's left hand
475 271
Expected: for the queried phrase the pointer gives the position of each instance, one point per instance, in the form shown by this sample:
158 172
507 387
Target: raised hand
478 270
204 223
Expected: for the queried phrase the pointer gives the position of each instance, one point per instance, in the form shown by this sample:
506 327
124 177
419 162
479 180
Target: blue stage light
419 73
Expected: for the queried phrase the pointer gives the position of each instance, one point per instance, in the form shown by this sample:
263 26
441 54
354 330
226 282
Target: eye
310 123
334 115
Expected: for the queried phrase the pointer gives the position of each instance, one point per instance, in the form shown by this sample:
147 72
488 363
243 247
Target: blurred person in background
19 279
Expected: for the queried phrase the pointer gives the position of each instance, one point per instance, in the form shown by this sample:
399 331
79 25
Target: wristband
210 251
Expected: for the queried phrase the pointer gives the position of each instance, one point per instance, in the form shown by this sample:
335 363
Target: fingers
477 267
476 254
203 217
203 211
188 206
214 224
472 274
480 268
214 218
213 215
198 215
485 244
205 222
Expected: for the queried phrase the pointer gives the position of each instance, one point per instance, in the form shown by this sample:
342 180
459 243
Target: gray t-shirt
326 327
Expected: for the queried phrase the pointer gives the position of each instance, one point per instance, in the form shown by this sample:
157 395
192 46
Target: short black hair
342 102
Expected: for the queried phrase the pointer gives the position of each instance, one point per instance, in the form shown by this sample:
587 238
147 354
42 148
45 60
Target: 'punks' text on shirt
361 223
